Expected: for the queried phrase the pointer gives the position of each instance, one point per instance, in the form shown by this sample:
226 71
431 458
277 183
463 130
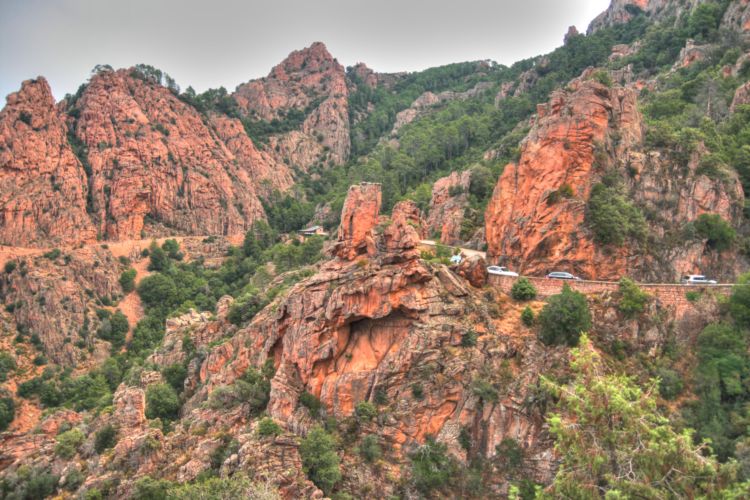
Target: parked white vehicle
500 271
696 279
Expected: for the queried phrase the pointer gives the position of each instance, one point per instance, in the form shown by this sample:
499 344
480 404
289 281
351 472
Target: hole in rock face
347 378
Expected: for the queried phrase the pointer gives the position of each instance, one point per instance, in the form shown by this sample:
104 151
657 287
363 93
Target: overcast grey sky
226 42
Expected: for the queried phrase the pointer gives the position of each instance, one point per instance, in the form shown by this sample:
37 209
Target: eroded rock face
309 81
450 197
741 97
536 221
358 218
53 297
355 331
43 186
622 11
152 156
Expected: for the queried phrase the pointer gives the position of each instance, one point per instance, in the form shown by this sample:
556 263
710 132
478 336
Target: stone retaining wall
668 294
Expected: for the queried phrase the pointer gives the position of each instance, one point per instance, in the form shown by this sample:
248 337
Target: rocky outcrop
358 218
474 269
450 197
310 81
54 298
43 186
536 221
741 97
374 330
152 157
622 11
257 167
737 16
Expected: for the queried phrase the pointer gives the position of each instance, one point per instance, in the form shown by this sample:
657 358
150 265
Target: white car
696 279
500 271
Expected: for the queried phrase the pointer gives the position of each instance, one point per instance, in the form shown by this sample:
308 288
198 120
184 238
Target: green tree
7 411
370 448
319 458
633 300
522 289
431 467
527 316
105 438
158 259
68 443
268 427
564 317
620 446
162 402
739 301
127 280
7 365
717 232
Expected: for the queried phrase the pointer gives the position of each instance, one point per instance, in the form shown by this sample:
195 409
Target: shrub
7 365
527 316
510 454
369 448
105 438
484 390
365 411
417 390
469 339
310 402
633 300
7 411
739 301
10 266
612 218
52 254
162 402
717 232
127 280
268 427
68 443
175 375
147 488
431 467
563 318
236 487
693 295
523 290
670 383
319 459
159 260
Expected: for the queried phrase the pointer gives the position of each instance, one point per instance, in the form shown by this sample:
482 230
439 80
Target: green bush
633 300
564 317
114 329
310 402
7 411
10 266
162 402
527 316
7 365
717 232
105 438
523 290
431 467
127 280
158 259
370 449
612 218
510 454
238 486
365 411
469 339
147 488
175 375
268 427
739 301
68 443
670 383
484 390
319 459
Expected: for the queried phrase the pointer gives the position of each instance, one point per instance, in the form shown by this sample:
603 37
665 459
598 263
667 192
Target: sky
216 43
